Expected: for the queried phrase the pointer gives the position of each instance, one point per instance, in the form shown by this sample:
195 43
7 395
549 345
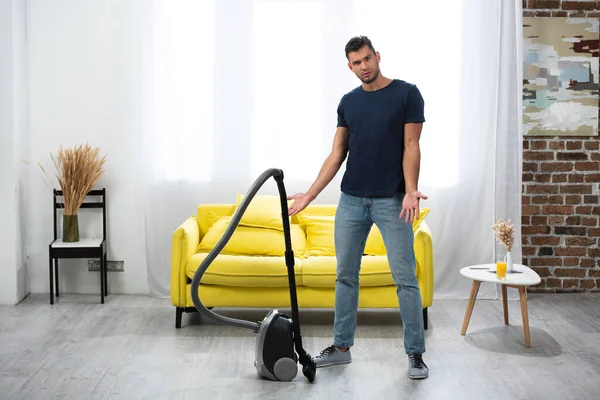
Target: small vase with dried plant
78 169
505 234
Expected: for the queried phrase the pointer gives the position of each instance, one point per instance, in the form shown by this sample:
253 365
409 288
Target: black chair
84 248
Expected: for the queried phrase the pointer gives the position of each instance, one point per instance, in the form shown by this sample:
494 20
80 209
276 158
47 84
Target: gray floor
128 348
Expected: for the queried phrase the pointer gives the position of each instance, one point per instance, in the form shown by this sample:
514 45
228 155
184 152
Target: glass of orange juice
501 269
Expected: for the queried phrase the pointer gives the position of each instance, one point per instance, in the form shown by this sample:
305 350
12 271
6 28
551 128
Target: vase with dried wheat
505 234
77 170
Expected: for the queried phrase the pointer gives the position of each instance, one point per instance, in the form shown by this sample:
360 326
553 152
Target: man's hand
301 201
410 205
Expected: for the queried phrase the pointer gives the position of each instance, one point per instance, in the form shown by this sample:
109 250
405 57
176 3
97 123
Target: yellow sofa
251 272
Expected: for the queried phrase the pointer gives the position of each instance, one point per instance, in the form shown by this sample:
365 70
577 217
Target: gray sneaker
332 356
416 367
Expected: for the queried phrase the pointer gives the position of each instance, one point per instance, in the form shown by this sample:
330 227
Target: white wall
20 144
8 287
84 75
13 284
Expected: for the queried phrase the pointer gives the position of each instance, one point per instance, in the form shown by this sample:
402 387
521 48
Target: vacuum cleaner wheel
285 369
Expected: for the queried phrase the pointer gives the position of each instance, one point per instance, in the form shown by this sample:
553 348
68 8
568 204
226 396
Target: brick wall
561 175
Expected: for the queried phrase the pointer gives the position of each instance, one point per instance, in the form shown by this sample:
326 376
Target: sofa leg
178 313
425 318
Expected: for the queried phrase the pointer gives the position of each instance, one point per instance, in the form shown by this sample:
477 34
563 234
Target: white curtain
234 87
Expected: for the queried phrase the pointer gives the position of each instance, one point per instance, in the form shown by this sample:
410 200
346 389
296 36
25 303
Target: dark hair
357 42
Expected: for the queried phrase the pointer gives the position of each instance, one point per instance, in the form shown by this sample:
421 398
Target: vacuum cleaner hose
237 216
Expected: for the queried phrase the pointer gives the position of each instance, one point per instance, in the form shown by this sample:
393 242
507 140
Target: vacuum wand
305 358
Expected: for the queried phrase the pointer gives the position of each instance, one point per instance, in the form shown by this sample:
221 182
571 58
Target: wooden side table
524 277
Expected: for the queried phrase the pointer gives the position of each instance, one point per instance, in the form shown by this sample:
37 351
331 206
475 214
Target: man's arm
330 167
410 165
412 156
332 163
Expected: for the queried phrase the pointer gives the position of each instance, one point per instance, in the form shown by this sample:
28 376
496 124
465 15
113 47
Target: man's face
364 63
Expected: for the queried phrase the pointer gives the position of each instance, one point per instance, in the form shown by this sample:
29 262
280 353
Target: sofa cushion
375 245
321 271
319 234
320 239
264 211
244 271
251 241
423 211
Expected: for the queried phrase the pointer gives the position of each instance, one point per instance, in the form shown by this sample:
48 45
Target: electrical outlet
114 266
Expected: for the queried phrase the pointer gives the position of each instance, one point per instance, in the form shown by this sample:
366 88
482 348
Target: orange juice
501 269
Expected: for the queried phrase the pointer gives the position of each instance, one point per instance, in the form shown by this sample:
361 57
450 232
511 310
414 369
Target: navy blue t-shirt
376 121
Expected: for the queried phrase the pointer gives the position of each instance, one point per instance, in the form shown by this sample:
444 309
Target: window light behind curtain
183 84
288 122
287 72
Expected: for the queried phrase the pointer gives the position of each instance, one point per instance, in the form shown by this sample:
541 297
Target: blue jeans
353 221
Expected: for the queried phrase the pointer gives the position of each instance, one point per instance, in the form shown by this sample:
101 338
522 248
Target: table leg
505 304
470 305
525 314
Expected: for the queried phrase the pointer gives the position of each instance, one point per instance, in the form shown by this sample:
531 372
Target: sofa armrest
424 258
185 240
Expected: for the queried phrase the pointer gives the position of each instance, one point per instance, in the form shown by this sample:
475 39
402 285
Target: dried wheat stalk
505 233
77 170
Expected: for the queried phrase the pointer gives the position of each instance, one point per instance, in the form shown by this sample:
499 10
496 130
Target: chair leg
102 279
105 276
178 313
425 324
51 281
56 276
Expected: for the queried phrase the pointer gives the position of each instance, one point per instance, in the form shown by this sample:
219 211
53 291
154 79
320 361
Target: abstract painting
560 76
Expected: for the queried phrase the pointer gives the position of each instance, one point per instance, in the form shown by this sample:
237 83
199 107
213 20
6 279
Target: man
378 129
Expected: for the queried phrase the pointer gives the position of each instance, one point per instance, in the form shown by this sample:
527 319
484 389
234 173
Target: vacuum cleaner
277 333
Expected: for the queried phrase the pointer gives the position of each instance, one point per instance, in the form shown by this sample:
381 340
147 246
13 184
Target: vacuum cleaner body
275 355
